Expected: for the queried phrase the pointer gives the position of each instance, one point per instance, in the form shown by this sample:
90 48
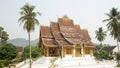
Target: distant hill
22 42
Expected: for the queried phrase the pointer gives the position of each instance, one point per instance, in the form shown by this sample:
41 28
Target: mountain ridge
22 42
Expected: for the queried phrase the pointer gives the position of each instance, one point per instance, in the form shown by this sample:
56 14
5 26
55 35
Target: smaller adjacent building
64 38
20 51
112 50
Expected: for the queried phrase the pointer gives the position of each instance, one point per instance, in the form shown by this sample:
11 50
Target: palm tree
100 35
113 24
28 18
1 30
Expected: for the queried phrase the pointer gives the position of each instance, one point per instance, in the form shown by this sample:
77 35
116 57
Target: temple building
64 38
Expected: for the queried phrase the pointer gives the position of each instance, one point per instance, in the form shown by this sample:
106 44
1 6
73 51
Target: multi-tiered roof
64 33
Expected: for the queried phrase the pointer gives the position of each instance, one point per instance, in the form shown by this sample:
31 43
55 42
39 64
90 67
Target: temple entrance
78 51
53 52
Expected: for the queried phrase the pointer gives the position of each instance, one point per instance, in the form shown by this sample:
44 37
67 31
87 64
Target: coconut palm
113 24
1 30
100 35
28 18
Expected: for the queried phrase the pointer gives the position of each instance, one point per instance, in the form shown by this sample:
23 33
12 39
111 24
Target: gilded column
62 51
82 51
91 52
74 51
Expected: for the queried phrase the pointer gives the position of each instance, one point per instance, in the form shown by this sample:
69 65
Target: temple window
87 51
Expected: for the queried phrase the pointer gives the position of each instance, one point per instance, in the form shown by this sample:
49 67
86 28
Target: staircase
77 61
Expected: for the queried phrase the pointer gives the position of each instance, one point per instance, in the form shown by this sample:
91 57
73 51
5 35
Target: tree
104 55
1 30
113 24
35 52
8 51
100 34
29 20
3 35
26 52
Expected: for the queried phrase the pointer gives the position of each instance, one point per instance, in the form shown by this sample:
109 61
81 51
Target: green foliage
100 34
35 52
28 17
1 65
4 62
118 57
102 55
113 24
96 54
98 47
8 52
3 36
26 52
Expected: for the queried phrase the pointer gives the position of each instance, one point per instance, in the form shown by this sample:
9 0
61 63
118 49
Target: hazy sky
87 13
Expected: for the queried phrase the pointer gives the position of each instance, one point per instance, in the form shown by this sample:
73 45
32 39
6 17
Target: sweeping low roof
64 32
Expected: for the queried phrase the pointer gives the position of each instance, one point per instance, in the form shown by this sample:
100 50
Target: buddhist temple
64 38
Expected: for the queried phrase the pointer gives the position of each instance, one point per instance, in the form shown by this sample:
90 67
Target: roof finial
65 16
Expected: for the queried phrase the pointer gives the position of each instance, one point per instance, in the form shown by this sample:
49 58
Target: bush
1 65
35 52
4 62
8 51
102 55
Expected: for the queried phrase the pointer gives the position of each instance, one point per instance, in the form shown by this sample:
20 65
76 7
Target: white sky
87 13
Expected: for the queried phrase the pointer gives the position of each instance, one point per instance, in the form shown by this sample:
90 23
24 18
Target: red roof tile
71 35
65 21
85 34
49 42
46 32
77 27
57 34
62 42
75 41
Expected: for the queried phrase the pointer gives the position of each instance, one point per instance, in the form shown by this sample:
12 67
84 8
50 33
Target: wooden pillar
43 51
83 50
62 52
47 50
91 52
74 51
